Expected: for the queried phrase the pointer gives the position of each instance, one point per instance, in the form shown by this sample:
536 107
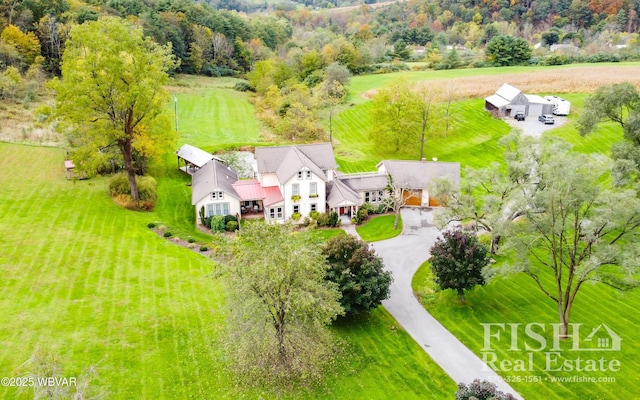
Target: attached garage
413 198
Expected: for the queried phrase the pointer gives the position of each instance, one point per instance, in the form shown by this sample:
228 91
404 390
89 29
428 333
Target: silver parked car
547 119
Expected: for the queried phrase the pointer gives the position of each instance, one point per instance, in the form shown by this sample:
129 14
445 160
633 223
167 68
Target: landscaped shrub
204 248
361 215
120 190
231 226
381 209
203 219
151 225
323 219
377 209
334 219
230 217
191 240
167 234
217 223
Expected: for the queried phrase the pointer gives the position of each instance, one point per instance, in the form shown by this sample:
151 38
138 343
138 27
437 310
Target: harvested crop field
568 79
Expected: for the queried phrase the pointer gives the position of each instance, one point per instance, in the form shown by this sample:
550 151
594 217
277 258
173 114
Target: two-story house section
301 173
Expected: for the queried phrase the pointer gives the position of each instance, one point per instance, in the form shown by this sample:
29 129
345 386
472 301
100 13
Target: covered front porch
255 199
343 200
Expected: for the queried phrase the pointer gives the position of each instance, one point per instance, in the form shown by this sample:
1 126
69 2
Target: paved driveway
403 255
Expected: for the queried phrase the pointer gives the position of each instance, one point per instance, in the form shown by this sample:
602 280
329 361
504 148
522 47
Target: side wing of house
415 176
218 202
213 192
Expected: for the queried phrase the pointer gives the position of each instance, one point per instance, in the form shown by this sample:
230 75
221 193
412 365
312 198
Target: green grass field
516 299
88 283
379 227
213 115
472 139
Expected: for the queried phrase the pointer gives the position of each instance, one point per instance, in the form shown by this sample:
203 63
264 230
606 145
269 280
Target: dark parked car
519 116
547 119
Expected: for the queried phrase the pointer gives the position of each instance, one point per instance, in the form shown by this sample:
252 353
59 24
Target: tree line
203 39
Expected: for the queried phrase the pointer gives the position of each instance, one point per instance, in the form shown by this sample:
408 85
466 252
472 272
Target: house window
299 175
295 188
296 208
373 197
314 207
217 195
217 209
275 213
308 174
313 189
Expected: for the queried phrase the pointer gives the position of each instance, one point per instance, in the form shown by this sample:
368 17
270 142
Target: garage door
413 198
535 110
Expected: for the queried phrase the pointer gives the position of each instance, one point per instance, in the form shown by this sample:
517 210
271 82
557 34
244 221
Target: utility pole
175 103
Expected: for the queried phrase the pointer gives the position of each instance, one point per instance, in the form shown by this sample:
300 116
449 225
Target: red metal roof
251 190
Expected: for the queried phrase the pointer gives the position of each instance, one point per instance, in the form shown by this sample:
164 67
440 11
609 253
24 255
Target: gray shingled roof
270 158
293 161
341 195
418 174
213 176
365 181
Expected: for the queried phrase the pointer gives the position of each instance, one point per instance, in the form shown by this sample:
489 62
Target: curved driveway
402 256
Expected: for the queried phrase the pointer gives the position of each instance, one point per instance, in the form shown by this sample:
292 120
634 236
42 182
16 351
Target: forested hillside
212 38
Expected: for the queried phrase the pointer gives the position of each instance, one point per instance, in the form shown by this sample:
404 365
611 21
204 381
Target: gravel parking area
532 127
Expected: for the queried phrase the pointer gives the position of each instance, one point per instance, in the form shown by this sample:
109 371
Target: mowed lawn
471 140
517 300
212 115
379 227
86 282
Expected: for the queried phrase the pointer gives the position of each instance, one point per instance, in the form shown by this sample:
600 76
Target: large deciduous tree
506 50
396 120
358 272
619 103
457 261
403 117
485 197
574 229
279 303
112 94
